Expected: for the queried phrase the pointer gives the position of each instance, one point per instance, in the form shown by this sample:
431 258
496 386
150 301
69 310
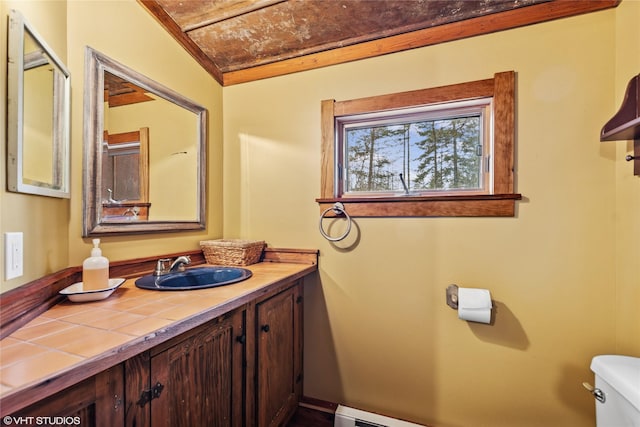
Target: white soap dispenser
95 269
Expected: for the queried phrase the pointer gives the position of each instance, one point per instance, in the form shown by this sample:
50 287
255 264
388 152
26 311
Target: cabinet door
94 402
137 384
279 357
201 377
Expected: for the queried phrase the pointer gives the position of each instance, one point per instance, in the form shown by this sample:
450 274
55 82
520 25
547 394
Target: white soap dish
76 293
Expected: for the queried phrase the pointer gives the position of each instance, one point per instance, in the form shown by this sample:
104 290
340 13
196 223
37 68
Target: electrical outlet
13 252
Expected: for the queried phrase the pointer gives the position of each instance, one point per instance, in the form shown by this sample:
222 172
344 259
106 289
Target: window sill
495 205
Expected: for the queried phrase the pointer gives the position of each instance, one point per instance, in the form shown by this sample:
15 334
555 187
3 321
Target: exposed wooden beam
170 25
486 24
430 36
228 11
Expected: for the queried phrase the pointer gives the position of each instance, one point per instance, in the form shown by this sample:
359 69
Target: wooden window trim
501 203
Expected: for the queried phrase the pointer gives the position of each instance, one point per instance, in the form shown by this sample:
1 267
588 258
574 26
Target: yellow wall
127 33
379 335
563 272
627 215
44 221
124 31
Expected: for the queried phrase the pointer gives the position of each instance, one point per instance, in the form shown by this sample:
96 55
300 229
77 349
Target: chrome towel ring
338 209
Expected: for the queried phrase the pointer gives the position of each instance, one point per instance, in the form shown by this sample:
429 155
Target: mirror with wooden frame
145 153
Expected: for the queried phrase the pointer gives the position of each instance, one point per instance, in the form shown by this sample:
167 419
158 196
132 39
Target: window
445 151
415 151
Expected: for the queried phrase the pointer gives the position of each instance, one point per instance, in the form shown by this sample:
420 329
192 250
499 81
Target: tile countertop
78 340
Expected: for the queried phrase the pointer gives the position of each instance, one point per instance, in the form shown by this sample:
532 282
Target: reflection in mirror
125 177
145 151
37 114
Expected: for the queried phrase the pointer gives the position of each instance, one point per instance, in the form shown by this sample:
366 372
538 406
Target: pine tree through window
414 152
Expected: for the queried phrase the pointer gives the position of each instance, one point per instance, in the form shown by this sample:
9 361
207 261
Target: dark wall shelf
625 124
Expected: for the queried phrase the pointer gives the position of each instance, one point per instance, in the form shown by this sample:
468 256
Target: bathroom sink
194 278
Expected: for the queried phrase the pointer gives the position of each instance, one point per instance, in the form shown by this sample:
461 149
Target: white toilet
617 390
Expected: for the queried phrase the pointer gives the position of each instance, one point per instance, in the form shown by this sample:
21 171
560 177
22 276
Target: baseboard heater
350 417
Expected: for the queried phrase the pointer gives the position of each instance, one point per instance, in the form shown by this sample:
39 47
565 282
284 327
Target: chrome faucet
165 266
179 263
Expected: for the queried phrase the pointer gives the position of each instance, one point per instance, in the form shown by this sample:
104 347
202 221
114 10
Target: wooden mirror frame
96 64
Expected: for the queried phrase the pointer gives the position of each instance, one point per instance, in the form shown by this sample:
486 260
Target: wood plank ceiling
244 40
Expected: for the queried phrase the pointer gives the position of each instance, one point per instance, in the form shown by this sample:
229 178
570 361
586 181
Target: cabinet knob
265 328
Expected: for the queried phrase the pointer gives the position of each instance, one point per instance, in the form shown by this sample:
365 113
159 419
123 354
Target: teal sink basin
194 278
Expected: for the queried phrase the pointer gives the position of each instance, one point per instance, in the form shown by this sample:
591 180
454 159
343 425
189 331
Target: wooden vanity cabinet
278 356
243 368
95 402
194 380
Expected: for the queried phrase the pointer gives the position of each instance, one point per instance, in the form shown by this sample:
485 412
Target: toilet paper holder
452 296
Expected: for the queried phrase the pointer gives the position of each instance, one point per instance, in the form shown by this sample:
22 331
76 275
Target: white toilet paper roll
480 315
474 305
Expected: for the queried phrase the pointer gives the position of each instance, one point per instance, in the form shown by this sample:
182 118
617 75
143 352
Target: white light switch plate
13 252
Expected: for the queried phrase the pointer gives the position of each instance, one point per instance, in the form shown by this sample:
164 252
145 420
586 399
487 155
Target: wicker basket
232 251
